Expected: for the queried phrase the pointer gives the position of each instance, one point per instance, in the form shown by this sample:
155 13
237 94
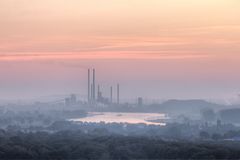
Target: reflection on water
132 118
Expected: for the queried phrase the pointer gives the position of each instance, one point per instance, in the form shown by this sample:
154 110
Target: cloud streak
98 55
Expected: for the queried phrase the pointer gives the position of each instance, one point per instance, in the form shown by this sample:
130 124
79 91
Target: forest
78 145
50 135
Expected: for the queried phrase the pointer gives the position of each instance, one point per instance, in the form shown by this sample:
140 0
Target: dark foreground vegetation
78 145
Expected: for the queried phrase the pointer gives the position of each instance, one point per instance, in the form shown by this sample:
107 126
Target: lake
131 118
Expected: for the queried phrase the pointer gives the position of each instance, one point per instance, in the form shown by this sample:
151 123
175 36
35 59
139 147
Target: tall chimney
93 85
118 92
98 92
111 94
91 92
89 87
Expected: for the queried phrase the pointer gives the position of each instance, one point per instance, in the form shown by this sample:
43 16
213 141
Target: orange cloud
98 55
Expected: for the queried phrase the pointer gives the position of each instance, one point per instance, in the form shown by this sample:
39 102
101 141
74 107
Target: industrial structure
111 94
118 94
92 99
140 101
95 96
72 100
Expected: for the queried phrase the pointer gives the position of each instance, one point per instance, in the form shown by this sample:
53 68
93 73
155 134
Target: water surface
131 118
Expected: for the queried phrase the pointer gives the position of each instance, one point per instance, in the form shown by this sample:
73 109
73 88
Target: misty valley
174 129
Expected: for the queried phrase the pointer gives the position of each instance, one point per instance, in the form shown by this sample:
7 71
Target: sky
156 49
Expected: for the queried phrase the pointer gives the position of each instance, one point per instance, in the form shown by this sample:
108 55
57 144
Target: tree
208 115
204 135
216 136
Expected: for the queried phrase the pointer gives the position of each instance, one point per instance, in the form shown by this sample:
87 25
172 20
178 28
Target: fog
155 80
160 104
100 123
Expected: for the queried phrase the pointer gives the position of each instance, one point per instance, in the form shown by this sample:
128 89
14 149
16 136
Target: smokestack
98 92
89 86
93 85
111 94
91 92
118 92
98 88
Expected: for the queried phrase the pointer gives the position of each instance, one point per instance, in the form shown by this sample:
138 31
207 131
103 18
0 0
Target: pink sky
154 48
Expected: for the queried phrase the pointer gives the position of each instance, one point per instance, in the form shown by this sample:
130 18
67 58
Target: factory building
140 101
71 101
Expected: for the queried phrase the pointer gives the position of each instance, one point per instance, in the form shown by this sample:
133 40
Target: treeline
230 135
26 119
78 145
230 115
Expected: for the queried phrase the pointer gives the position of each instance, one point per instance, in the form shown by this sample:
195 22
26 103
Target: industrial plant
95 96
92 99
